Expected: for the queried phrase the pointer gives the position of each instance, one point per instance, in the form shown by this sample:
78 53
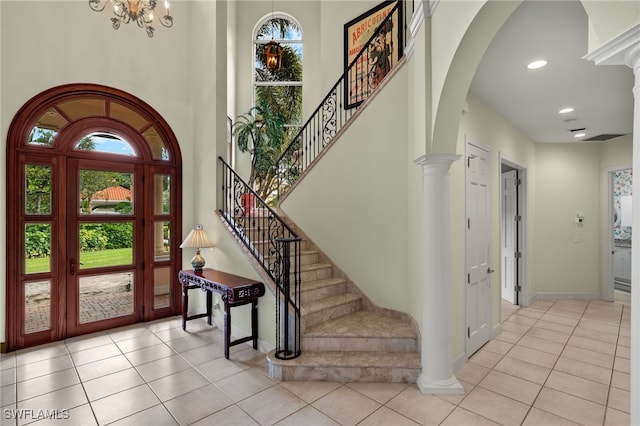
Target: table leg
227 328
254 323
185 305
209 304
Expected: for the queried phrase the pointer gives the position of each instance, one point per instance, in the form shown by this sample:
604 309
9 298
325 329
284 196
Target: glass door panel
37 189
104 238
162 241
162 287
106 296
106 192
37 248
105 244
37 306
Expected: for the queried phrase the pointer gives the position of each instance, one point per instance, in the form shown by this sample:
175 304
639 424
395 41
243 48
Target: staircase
345 337
331 330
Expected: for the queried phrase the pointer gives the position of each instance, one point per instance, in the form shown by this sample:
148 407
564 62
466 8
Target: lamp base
197 262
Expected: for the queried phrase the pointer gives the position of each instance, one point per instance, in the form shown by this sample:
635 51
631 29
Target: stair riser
321 293
330 313
316 274
345 374
355 344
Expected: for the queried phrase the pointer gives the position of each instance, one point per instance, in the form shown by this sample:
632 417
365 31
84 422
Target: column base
439 387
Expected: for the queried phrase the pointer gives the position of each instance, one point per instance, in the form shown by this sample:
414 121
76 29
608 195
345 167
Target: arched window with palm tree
281 89
276 117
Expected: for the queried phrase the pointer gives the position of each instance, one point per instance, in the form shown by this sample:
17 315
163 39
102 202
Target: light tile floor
556 362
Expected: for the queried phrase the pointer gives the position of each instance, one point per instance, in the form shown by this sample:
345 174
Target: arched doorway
93 196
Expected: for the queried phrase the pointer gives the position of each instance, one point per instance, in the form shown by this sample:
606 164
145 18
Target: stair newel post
290 321
286 289
297 295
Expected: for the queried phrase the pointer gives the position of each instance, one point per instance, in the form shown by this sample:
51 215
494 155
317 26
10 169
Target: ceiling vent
603 137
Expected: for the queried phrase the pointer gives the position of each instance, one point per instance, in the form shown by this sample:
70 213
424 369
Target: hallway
556 362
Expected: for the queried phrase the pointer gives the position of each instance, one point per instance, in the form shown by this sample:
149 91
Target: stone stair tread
329 302
314 266
316 284
362 324
344 359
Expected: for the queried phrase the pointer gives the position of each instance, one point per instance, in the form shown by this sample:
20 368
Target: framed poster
383 48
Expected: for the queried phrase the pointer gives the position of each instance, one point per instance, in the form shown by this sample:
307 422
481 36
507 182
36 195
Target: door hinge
468 278
143 266
518 181
468 332
517 255
518 288
469 223
518 218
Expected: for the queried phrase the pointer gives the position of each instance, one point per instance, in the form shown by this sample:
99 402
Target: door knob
490 271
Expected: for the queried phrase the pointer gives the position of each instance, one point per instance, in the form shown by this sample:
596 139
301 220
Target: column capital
436 163
622 50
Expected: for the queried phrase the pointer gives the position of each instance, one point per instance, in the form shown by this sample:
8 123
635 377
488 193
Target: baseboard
497 329
459 361
238 333
3 347
581 296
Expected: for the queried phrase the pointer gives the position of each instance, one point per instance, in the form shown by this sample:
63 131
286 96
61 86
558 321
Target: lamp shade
196 239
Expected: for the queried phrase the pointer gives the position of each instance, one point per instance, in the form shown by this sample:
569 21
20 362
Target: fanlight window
40 136
105 142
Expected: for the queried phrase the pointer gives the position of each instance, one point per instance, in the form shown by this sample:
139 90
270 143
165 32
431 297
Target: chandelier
273 54
273 51
139 11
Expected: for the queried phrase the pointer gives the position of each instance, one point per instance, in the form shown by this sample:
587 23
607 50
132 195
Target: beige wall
49 43
353 203
567 255
607 19
484 126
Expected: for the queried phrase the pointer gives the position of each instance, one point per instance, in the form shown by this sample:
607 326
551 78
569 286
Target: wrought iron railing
365 73
275 246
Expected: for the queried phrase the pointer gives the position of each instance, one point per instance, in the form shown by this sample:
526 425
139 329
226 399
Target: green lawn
92 259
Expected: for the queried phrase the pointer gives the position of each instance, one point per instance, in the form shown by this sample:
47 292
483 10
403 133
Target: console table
234 291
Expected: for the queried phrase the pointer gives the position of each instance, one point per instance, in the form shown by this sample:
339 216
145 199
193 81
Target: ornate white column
625 49
437 375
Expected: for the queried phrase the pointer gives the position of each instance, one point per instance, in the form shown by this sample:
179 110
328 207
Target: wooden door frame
17 136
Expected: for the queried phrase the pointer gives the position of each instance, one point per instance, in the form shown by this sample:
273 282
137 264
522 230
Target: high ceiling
601 96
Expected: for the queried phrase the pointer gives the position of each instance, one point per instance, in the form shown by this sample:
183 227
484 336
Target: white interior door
478 247
509 235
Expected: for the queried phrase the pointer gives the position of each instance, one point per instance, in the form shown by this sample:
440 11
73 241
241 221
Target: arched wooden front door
93 196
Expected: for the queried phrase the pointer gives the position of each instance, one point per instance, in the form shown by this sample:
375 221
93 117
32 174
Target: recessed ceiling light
579 135
565 110
537 64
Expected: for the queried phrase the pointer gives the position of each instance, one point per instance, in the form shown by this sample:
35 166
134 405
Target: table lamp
197 239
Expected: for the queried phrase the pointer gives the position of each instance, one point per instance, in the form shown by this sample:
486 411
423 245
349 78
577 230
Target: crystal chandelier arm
167 21
140 11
